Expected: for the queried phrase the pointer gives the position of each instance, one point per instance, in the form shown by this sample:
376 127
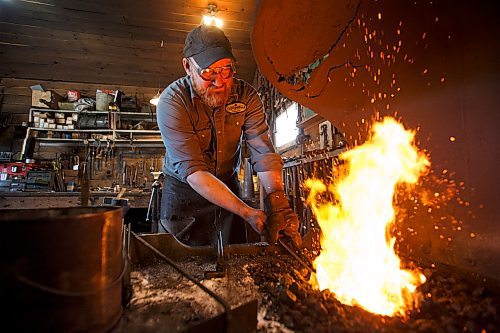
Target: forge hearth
163 300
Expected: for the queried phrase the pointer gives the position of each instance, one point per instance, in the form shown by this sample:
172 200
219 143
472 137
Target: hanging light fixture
156 98
210 17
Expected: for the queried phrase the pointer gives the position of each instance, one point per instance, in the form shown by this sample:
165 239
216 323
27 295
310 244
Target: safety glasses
208 74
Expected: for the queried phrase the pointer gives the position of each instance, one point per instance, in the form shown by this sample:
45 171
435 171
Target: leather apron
192 219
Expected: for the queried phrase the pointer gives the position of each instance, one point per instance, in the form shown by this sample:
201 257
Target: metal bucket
61 270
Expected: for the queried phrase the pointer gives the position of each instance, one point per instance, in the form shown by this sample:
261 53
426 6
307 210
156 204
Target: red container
73 95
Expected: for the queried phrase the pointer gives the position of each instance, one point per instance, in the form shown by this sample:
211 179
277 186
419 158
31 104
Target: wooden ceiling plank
245 8
124 32
150 19
84 75
62 40
90 47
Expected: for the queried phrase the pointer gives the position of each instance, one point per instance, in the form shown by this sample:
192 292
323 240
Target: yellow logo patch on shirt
236 107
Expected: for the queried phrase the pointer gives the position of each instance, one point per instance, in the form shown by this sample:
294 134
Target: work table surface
24 200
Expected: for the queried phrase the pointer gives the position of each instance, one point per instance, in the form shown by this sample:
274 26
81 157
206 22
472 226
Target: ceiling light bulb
155 99
212 19
207 19
218 22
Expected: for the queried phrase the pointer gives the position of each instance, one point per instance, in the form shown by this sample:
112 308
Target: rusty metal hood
433 64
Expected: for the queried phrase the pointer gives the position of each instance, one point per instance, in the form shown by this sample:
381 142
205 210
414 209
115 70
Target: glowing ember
357 261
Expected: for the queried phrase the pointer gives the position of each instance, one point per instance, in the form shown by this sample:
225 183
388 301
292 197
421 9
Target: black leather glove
280 217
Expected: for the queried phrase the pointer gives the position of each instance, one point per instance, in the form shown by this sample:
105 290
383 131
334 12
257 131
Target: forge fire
357 261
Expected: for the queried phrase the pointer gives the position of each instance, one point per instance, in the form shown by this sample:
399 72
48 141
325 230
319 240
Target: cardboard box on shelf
40 95
66 105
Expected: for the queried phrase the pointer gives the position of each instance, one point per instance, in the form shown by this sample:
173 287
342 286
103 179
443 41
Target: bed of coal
448 304
165 301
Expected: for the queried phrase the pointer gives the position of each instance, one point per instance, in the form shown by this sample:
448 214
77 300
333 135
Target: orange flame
357 261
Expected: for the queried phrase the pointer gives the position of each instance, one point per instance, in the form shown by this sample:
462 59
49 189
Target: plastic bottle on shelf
113 105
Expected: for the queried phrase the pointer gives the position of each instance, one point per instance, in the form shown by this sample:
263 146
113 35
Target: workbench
34 200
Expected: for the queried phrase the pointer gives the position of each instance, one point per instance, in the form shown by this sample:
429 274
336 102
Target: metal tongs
296 252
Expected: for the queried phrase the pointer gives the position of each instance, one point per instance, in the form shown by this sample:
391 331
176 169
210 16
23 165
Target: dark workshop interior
384 112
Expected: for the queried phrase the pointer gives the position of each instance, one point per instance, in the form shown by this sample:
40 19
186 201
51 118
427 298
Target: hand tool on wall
112 163
119 165
124 173
86 157
76 161
98 159
59 181
91 162
84 198
63 160
131 175
106 153
134 181
99 156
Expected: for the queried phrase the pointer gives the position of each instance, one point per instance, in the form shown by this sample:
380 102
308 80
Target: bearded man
203 118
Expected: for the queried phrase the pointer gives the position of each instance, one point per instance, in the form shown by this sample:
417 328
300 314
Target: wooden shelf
123 137
70 130
95 112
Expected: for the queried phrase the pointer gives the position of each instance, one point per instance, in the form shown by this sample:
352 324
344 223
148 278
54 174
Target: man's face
214 91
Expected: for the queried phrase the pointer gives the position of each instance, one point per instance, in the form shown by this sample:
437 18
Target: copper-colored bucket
61 269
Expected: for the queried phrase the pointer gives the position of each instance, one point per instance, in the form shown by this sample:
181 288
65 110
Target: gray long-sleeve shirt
197 137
